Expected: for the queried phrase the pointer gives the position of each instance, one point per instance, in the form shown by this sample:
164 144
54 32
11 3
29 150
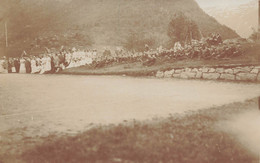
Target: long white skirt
2 69
34 69
48 66
33 66
42 69
22 68
13 69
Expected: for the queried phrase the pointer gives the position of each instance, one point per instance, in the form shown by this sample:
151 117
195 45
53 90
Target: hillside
241 18
33 25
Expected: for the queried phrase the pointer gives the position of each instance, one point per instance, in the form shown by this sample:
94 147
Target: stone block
188 75
205 69
229 71
188 69
211 70
242 70
160 74
176 75
211 76
227 77
219 70
255 71
168 74
179 71
199 75
246 77
195 70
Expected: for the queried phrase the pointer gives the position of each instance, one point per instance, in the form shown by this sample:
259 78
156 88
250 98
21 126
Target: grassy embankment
251 57
192 137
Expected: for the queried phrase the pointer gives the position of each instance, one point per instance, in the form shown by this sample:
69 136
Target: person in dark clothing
62 58
9 67
28 66
52 65
16 65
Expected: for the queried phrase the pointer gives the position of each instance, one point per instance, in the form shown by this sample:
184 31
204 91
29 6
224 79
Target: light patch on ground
246 128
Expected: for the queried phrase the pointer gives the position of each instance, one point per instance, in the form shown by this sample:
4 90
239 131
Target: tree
183 30
137 41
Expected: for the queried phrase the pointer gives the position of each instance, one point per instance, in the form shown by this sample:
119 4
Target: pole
259 102
6 48
258 31
6 35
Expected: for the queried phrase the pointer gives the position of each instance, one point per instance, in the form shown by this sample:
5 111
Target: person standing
16 65
22 66
52 63
28 66
33 65
38 64
62 61
56 61
43 63
3 65
9 65
12 64
47 63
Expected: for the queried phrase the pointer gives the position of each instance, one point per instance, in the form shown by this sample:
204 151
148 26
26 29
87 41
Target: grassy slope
192 137
251 57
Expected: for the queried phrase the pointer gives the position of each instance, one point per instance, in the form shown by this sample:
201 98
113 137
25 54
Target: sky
215 3
221 3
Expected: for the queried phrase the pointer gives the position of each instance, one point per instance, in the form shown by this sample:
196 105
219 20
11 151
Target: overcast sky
221 3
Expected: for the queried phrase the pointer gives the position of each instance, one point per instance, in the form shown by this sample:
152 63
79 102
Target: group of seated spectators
209 49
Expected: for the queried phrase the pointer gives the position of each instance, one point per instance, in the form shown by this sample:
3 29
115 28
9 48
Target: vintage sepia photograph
129 81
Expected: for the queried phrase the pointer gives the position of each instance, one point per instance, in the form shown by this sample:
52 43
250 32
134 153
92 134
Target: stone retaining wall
229 73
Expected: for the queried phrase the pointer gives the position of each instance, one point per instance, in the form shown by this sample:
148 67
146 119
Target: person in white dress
22 66
11 64
73 61
48 64
38 64
67 59
3 65
43 63
56 61
88 59
33 65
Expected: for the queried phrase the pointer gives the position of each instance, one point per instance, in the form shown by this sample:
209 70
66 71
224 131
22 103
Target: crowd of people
50 62
211 48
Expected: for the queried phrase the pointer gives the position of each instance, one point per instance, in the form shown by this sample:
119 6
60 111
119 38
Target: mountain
241 18
35 24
